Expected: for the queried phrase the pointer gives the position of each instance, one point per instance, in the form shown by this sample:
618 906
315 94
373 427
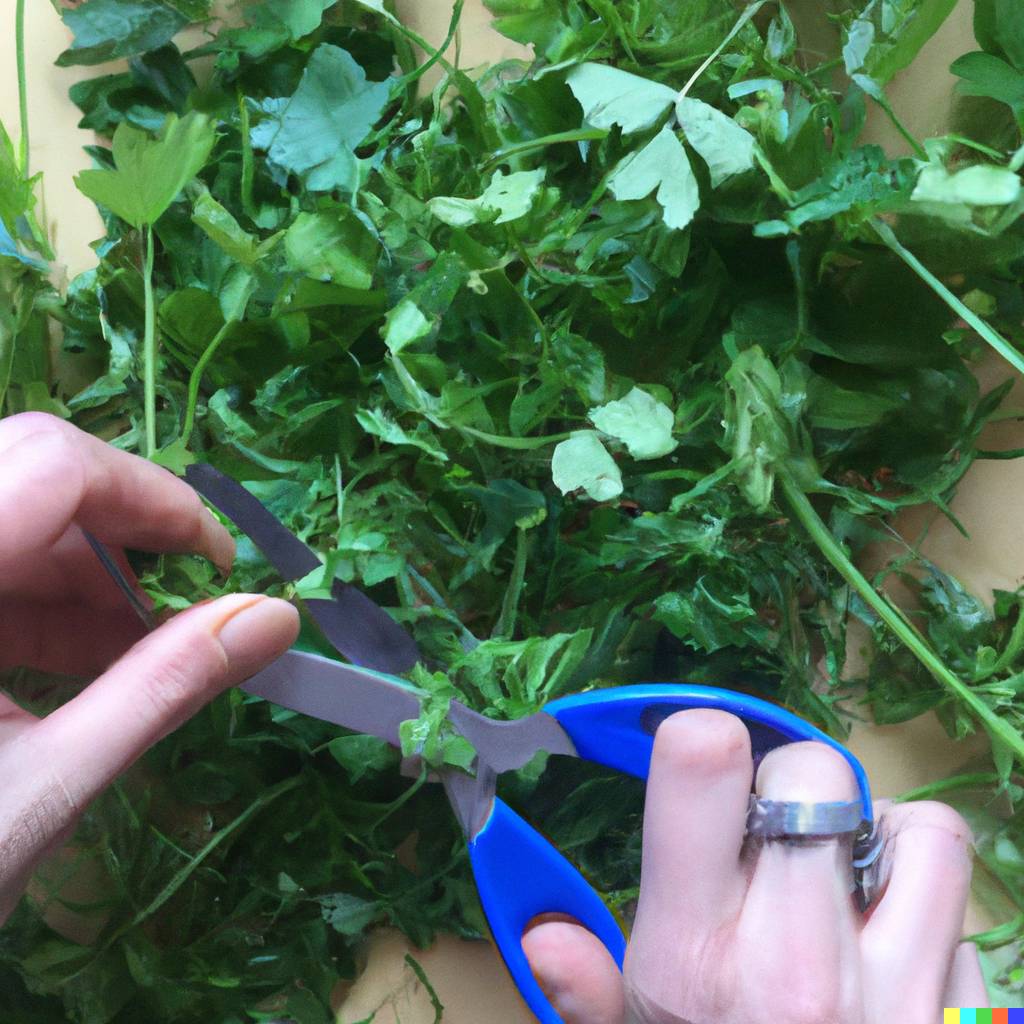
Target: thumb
575 971
161 681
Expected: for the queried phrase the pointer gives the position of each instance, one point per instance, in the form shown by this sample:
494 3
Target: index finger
53 475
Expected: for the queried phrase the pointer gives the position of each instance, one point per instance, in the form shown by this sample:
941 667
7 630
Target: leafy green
506 198
314 133
661 166
640 422
107 29
598 368
582 462
723 145
610 96
149 172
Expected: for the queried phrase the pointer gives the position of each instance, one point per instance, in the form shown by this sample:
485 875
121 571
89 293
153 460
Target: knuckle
38 825
806 995
14 428
702 738
810 1002
175 677
881 952
929 815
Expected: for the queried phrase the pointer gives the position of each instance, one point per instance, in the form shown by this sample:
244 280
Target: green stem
248 168
895 620
149 345
519 148
506 623
196 378
19 51
437 54
932 789
919 150
989 333
180 877
521 444
713 56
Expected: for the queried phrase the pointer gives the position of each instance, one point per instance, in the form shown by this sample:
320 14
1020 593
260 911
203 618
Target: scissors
519 875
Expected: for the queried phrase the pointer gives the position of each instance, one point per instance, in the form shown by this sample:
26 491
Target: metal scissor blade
357 627
505 746
348 695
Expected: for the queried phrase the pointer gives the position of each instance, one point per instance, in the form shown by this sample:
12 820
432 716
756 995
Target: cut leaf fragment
508 197
980 185
582 462
640 422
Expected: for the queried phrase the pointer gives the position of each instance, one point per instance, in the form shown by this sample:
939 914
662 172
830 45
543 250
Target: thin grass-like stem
149 345
19 51
998 728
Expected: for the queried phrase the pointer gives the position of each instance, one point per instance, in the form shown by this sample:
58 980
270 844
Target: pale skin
725 933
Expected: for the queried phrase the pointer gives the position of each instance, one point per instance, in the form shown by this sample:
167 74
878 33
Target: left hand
60 612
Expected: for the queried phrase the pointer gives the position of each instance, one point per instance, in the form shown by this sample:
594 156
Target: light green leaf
15 191
459 213
345 913
150 171
378 423
583 462
858 42
316 131
218 224
512 195
506 198
663 165
640 422
609 96
333 246
404 325
980 185
723 145
300 17
424 307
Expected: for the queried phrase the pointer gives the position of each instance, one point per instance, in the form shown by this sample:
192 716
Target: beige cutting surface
468 976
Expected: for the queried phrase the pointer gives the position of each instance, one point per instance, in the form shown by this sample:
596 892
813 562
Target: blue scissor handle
615 727
520 875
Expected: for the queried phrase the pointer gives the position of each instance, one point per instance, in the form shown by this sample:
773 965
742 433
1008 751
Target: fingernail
256 633
808 771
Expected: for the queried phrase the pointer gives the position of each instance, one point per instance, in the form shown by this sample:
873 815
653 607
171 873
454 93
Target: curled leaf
582 462
640 422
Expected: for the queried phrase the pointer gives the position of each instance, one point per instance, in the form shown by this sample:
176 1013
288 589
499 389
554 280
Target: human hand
60 612
729 933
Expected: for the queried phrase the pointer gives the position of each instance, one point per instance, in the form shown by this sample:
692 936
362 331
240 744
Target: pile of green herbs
595 369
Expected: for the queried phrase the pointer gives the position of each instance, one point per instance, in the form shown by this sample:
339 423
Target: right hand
729 933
